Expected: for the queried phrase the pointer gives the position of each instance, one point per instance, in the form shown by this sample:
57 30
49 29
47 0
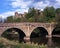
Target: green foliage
49 13
31 13
16 46
31 19
17 20
4 43
34 15
2 46
37 31
58 15
58 10
10 19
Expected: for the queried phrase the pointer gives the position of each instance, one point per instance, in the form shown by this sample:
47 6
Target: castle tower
16 14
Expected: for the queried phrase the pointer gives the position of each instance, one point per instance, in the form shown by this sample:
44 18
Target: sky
9 7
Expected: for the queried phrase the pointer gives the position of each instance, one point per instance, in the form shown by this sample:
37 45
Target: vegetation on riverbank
4 43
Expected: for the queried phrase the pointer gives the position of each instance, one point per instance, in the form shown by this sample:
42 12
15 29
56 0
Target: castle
19 15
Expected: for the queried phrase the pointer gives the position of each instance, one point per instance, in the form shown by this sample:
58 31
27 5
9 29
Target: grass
5 43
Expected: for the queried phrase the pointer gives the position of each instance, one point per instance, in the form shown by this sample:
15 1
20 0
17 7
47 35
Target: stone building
19 15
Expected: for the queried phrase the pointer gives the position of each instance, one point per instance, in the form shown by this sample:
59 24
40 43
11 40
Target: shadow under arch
56 35
56 31
39 31
13 34
38 35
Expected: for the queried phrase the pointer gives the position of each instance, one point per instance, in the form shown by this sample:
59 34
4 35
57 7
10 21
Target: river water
50 42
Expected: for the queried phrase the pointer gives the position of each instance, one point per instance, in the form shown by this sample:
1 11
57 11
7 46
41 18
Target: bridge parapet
38 24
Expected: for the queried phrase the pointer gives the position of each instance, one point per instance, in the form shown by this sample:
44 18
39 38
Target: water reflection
39 40
56 41
50 42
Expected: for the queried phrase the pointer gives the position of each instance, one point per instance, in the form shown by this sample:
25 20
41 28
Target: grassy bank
4 43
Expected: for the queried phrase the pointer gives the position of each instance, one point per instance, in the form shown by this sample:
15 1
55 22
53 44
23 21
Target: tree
17 20
9 19
58 15
32 14
49 13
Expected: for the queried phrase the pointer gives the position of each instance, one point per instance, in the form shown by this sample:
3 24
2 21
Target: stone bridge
27 28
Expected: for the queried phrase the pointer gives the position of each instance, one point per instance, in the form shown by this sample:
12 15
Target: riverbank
5 43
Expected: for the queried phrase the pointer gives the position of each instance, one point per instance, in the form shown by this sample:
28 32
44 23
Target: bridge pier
50 42
26 38
28 33
49 35
50 29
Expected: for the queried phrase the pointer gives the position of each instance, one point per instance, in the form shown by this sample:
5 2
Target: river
50 42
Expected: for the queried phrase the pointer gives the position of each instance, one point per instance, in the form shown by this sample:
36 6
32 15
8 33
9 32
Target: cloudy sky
8 7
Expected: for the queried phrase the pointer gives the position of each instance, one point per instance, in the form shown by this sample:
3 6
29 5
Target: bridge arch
38 35
15 33
41 30
56 31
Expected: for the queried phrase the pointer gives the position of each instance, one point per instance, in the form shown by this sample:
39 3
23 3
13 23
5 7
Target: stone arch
40 37
21 34
40 28
2 29
56 31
